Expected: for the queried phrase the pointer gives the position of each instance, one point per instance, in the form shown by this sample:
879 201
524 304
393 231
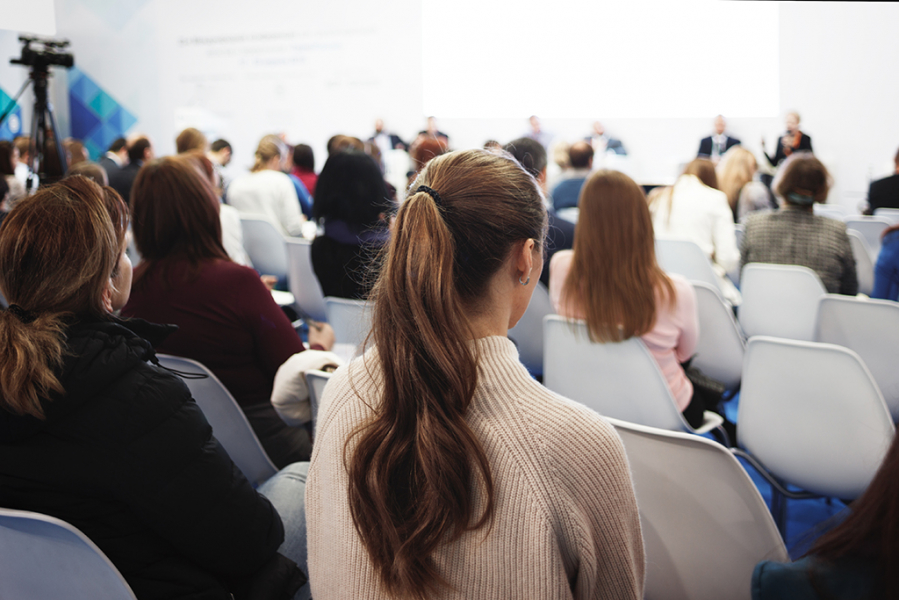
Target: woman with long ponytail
440 468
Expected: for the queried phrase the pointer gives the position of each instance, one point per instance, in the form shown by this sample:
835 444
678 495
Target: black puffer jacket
128 458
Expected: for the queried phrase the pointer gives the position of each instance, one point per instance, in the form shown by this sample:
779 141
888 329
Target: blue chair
44 557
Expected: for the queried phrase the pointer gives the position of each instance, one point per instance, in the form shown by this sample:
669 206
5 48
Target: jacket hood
97 353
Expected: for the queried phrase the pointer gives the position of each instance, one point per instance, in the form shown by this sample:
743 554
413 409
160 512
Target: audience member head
304 158
119 146
704 169
792 122
52 165
140 150
425 149
269 154
804 182
175 215
340 142
75 152
4 195
23 145
530 154
458 251
720 125
9 158
204 166
91 170
492 145
580 155
351 189
220 152
61 257
191 139
736 169
559 153
614 278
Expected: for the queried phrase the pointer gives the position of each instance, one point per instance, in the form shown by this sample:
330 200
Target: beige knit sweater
566 522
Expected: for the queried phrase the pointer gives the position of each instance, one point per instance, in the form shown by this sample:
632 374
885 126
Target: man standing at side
116 157
884 193
567 191
139 151
714 146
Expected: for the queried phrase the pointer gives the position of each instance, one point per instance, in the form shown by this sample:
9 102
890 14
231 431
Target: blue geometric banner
12 126
97 119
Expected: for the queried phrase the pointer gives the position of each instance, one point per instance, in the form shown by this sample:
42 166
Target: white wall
837 68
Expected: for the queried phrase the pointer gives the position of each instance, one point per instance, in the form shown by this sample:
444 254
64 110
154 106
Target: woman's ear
107 295
525 259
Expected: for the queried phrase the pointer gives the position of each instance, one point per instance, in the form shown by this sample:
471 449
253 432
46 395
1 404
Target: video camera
48 53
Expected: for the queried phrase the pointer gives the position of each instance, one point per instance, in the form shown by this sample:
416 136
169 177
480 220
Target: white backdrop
313 69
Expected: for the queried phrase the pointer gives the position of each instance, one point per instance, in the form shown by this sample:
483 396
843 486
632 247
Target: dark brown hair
580 154
871 529
190 139
704 169
6 152
58 250
614 276
91 170
806 176
175 216
416 461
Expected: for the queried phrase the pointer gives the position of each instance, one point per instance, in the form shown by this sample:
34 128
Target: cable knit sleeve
603 507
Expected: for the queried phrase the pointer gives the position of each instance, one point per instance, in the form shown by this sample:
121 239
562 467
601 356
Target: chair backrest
528 332
864 262
620 380
44 557
719 352
705 525
350 319
316 382
264 245
229 425
812 415
870 228
301 279
871 329
779 300
831 211
892 214
686 258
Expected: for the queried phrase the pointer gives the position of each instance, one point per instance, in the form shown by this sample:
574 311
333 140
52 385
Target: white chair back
528 332
831 211
780 300
719 352
301 279
892 214
229 425
44 557
686 258
812 415
705 525
350 319
870 328
264 245
870 228
864 262
620 380
316 382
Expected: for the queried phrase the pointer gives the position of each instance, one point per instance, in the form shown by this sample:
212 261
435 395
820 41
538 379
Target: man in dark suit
139 151
603 142
714 146
115 158
884 193
386 140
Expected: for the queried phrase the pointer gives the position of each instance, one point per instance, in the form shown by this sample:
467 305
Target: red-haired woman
226 316
611 280
441 468
94 434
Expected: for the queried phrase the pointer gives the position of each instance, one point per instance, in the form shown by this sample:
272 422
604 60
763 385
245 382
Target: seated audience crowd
438 466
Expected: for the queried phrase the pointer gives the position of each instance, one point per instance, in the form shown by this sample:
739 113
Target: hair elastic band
25 316
433 194
800 199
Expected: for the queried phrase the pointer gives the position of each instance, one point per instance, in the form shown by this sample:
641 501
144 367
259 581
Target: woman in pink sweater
441 469
611 280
